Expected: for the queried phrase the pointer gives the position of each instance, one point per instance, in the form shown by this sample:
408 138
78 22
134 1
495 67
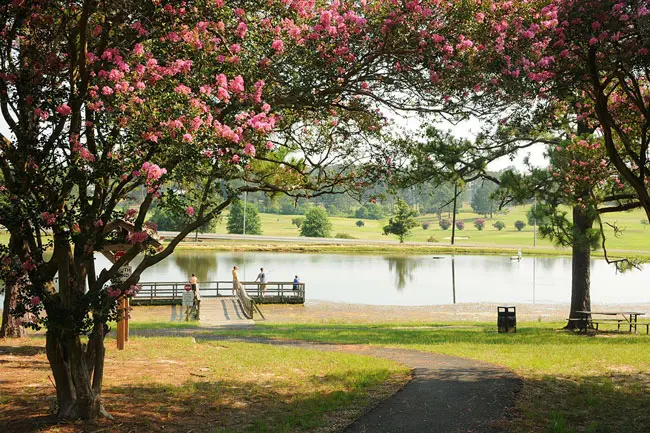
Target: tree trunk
78 370
12 326
581 269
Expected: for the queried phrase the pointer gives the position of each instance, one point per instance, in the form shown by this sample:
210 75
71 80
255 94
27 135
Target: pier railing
272 292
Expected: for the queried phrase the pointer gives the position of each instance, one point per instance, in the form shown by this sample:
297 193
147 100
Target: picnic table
618 318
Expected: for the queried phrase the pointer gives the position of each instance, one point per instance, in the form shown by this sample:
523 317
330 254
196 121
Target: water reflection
453 279
201 265
403 268
409 280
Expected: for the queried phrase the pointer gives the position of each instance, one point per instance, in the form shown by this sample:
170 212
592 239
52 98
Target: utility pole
244 230
453 220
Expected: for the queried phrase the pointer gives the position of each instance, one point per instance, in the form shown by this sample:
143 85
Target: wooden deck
170 293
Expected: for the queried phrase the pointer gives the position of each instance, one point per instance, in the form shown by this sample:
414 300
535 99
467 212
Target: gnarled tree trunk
78 370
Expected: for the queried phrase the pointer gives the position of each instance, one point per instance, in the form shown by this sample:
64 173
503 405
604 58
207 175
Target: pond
410 280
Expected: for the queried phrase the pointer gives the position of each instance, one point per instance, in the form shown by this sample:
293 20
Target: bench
647 326
584 324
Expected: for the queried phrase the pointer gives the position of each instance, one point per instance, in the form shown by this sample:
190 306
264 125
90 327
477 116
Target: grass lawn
176 384
635 235
572 382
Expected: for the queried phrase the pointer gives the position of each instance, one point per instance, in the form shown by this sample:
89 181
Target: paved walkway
447 394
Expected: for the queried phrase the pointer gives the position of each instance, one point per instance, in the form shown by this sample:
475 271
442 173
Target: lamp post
244 224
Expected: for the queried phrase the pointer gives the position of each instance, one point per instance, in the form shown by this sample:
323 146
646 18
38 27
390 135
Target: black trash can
507 319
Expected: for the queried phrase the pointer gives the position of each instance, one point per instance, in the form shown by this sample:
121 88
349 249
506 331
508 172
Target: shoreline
398 249
339 313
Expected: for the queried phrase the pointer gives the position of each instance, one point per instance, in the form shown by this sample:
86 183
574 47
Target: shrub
479 223
499 225
360 223
316 224
297 221
460 224
425 225
519 224
344 236
444 224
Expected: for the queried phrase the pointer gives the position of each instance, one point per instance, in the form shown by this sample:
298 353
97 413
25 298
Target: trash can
507 319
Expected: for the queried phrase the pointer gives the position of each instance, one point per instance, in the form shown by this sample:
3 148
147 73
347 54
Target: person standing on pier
261 277
235 279
296 282
197 296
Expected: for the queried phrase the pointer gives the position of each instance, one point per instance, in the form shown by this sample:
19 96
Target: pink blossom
189 211
278 45
236 85
182 89
188 138
235 159
242 28
249 150
136 237
269 145
223 94
48 218
113 292
35 300
64 110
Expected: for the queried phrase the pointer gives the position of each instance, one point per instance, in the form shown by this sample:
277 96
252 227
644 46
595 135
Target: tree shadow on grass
21 350
197 406
593 404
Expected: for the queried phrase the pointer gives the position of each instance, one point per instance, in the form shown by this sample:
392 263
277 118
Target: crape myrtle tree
102 98
589 57
579 176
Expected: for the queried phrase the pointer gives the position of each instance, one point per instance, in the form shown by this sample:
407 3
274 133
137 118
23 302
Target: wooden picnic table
621 317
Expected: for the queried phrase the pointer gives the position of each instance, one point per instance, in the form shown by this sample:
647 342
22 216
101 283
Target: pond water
410 280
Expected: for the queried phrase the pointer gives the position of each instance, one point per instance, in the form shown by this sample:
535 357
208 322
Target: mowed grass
572 382
177 384
635 235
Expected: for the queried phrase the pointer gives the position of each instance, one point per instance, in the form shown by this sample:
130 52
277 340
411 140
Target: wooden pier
171 293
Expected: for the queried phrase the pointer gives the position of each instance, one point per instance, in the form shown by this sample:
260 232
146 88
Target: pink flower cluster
48 218
152 172
137 237
113 292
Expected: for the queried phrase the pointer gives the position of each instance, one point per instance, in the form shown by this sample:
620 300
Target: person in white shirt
261 277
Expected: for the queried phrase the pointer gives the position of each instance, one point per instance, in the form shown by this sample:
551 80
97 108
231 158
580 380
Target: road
293 239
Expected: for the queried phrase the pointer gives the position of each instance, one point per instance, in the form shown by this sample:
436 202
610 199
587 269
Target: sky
467 129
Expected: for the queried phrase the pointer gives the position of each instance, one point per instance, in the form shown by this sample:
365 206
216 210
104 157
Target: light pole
244 230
